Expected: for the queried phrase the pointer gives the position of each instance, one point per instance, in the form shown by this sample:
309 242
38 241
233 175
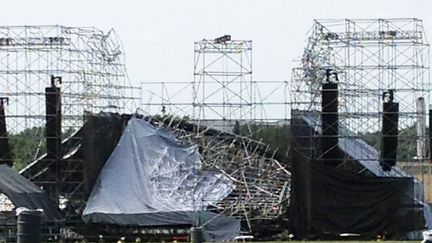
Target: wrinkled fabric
151 179
23 193
355 198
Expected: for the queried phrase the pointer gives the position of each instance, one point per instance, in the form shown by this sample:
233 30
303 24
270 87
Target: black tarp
23 193
329 200
92 144
344 203
100 135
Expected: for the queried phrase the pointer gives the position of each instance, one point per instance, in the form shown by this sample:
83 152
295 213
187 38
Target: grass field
317 241
348 241
336 241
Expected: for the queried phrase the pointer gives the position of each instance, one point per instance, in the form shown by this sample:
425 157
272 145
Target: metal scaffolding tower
380 64
90 63
222 91
223 87
39 112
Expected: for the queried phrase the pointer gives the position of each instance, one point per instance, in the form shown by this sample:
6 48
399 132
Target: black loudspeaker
5 152
389 139
53 135
53 122
330 124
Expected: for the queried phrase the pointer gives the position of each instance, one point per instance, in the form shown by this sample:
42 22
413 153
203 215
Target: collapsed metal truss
261 183
221 96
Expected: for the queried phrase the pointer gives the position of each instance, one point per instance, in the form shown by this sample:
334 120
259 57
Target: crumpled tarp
23 193
152 180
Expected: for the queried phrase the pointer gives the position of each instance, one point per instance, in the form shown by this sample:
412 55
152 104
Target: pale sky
158 35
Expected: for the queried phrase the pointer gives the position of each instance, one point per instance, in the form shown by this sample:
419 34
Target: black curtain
327 200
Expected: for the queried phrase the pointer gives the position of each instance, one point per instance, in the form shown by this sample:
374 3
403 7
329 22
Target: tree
27 146
407 142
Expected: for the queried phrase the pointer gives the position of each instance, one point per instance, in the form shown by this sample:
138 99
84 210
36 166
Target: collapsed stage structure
69 81
359 111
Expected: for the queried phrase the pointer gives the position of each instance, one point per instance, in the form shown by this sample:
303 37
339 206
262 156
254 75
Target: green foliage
407 142
27 146
278 137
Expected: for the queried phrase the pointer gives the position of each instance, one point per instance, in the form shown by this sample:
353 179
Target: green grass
336 241
339 241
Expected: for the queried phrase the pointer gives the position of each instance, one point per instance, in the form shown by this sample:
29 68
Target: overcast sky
158 35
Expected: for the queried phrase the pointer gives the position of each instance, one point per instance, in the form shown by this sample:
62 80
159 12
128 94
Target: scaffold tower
379 64
90 63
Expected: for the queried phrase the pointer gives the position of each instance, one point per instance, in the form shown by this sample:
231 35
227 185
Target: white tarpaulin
152 180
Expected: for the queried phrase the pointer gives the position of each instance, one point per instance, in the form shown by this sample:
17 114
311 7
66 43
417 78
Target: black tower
389 140
330 121
53 133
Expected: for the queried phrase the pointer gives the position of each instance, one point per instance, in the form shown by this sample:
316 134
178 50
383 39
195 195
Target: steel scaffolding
89 67
376 60
222 91
90 63
223 87
222 96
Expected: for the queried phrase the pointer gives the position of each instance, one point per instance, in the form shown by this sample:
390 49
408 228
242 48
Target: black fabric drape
332 200
23 193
